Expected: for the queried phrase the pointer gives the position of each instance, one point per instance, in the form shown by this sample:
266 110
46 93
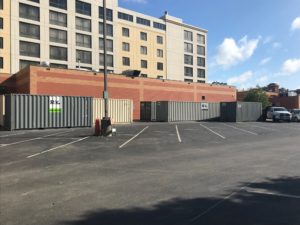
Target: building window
83 8
60 66
159 26
109 29
125 32
109 60
160 66
126 61
160 53
143 21
1 4
58 53
124 16
201 73
1 42
29 30
57 18
1 62
188 36
143 36
29 49
1 23
200 39
144 64
188 80
202 82
188 71
37 1
144 75
126 47
188 47
83 24
159 40
144 50
62 4
25 63
29 12
83 40
109 44
201 50
201 61
83 56
188 59
58 36
109 13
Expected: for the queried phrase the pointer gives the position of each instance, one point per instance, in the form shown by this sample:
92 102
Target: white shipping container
119 110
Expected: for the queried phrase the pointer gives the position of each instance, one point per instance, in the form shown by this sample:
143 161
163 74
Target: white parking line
135 136
207 128
240 129
33 139
52 149
178 135
266 192
264 128
9 135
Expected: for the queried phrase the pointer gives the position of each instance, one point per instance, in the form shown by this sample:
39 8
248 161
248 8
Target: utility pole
106 122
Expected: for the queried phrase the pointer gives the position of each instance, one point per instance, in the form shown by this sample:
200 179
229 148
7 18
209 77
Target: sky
250 42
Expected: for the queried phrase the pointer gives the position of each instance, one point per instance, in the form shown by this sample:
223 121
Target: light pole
106 122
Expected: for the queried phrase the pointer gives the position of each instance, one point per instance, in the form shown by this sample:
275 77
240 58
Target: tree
258 95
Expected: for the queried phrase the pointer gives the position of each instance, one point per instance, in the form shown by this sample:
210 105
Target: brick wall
292 102
40 80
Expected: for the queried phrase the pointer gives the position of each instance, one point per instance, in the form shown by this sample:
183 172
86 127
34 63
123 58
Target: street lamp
106 128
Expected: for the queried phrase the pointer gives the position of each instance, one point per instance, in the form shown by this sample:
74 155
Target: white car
279 113
296 115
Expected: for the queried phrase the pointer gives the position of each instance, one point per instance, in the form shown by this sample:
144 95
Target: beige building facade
69 34
5 37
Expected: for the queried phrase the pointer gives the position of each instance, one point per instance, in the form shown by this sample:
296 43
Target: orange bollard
97 127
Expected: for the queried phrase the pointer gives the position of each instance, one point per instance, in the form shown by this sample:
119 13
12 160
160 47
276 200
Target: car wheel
296 119
274 119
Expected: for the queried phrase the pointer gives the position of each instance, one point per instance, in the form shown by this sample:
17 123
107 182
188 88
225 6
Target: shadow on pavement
280 205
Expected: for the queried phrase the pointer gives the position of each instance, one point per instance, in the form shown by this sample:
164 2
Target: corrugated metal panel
2 110
148 111
41 111
241 111
187 111
119 110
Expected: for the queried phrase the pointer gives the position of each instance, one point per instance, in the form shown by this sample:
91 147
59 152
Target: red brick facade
40 80
291 102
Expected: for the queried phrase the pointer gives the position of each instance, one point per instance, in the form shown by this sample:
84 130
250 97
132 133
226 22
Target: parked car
279 114
295 115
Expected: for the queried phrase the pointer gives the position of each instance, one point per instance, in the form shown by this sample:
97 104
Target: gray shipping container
169 111
148 111
241 111
41 111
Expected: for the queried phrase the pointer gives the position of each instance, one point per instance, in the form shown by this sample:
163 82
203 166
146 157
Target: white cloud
265 61
231 52
267 40
240 79
296 24
262 80
136 1
276 45
291 66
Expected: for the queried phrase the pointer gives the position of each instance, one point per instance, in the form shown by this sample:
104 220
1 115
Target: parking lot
153 173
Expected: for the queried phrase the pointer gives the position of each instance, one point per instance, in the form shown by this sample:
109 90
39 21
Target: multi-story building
69 34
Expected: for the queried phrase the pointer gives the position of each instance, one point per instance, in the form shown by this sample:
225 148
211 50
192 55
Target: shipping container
148 111
40 111
170 111
241 111
2 110
119 110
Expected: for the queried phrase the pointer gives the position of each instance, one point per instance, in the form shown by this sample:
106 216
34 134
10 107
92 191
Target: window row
60 53
143 35
143 50
144 63
188 36
188 48
189 72
189 60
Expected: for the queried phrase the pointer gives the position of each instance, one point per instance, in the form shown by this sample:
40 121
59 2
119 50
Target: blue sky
250 42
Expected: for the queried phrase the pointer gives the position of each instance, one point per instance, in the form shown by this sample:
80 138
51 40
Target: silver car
296 115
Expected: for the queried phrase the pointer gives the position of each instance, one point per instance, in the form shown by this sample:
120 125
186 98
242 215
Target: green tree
258 95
